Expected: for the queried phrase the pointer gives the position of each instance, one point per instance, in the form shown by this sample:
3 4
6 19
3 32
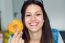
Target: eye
28 15
38 14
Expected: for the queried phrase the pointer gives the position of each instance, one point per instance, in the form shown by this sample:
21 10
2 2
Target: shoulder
56 36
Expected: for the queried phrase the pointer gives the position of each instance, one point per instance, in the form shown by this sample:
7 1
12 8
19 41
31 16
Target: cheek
27 20
40 19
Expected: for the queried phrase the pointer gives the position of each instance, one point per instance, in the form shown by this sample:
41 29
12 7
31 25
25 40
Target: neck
35 36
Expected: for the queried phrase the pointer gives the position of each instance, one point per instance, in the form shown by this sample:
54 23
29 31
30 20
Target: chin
34 30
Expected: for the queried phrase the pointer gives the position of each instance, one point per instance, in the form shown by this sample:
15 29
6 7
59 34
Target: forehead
33 8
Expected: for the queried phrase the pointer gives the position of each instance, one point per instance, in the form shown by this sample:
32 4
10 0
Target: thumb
21 40
20 35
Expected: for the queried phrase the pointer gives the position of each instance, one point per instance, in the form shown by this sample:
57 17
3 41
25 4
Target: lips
34 24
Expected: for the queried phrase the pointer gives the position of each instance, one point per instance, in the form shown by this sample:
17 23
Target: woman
36 24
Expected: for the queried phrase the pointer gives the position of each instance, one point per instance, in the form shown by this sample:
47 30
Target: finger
19 35
21 40
15 35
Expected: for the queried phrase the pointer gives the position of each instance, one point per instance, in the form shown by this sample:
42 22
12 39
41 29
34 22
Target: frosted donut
15 25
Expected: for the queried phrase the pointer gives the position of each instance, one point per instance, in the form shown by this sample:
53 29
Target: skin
34 22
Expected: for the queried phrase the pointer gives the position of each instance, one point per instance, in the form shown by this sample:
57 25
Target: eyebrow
35 12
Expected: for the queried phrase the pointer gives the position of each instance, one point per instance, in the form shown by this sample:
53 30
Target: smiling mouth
34 24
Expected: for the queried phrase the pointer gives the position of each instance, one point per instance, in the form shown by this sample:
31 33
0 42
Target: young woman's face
34 18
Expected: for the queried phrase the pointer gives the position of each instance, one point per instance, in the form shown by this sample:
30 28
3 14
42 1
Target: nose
33 18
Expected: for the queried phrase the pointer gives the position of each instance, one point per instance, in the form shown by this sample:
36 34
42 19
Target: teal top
55 35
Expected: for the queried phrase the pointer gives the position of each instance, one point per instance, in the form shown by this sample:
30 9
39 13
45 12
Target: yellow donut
15 25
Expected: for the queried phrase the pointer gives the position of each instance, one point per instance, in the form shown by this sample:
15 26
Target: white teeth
33 24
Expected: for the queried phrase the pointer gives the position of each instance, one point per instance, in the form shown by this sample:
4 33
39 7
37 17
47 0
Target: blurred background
10 9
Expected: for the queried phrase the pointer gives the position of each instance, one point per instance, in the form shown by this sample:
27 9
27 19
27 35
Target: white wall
0 5
7 13
17 4
56 12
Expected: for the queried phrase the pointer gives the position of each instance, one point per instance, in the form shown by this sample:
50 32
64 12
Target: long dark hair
46 29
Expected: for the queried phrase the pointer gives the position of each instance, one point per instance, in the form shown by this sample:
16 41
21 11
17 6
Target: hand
17 38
